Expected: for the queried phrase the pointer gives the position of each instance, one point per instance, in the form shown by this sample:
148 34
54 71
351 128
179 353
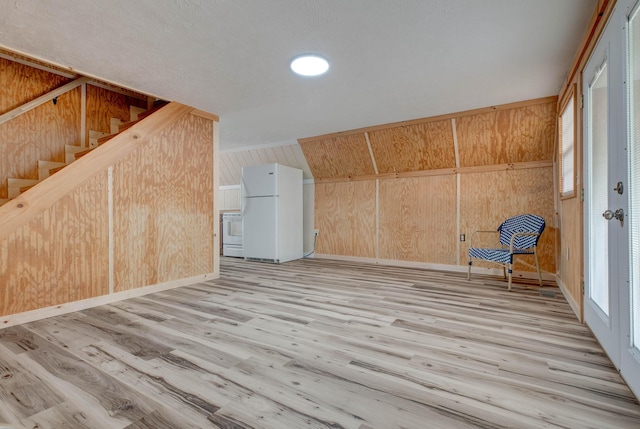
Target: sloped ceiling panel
519 134
338 157
231 162
492 136
426 146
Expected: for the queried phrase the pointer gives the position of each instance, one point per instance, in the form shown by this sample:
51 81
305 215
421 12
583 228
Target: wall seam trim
83 115
377 244
111 244
458 217
373 159
454 132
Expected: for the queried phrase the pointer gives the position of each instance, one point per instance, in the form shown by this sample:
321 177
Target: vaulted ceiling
390 60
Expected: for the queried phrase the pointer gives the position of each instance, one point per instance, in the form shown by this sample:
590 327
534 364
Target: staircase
16 186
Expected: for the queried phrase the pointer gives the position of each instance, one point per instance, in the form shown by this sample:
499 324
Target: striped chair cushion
496 255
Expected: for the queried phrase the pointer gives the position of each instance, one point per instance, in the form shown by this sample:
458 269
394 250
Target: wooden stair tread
16 186
18 183
71 151
55 170
46 168
146 113
106 138
80 154
127 125
114 124
69 148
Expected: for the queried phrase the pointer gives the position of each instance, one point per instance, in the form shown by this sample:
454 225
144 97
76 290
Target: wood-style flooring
316 344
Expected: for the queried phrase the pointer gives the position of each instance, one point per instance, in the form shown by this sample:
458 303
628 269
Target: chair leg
510 272
469 272
504 271
535 252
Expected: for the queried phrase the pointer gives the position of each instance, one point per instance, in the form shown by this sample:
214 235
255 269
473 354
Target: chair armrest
480 232
520 234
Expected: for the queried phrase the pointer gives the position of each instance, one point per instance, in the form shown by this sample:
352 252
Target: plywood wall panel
519 134
338 157
58 257
102 105
417 220
20 83
487 199
163 207
39 134
426 146
345 215
571 247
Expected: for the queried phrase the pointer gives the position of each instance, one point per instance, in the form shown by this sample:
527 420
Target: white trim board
57 310
439 267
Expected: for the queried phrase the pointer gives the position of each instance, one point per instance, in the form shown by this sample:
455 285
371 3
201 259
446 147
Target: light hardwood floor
316 344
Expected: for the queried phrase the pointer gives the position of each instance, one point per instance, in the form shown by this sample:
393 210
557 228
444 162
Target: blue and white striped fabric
523 245
522 223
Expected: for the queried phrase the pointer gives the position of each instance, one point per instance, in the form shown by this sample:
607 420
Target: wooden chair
518 235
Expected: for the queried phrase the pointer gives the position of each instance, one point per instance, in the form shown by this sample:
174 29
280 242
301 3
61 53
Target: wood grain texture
39 134
102 105
320 344
345 215
520 134
570 249
425 146
58 257
487 199
20 83
346 156
417 220
163 207
54 238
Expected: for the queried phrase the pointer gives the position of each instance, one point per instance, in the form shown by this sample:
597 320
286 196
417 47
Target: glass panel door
598 125
604 153
630 303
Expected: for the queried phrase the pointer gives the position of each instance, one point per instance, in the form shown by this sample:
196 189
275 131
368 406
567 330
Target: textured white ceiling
391 60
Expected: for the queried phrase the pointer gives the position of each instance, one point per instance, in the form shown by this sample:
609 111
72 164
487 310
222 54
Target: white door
609 191
630 302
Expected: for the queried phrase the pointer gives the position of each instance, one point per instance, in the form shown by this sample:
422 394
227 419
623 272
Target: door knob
618 214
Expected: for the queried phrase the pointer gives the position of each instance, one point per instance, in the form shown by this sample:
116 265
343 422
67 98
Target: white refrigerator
272 213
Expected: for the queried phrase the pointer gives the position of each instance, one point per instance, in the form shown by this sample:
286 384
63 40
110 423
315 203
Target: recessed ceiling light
309 65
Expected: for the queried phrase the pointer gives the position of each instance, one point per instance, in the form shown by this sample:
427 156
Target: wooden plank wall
22 144
159 227
58 257
346 218
103 104
161 212
406 191
163 207
42 133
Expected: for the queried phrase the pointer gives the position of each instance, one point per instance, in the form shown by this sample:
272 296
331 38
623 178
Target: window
566 139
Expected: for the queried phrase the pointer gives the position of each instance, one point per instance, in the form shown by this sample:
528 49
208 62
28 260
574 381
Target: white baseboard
439 267
56 310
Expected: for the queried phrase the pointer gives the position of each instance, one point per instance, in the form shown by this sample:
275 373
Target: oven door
232 229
